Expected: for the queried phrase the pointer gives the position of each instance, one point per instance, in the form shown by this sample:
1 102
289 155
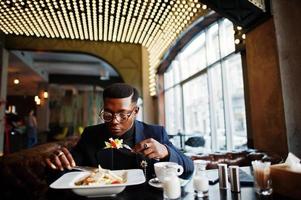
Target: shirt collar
127 135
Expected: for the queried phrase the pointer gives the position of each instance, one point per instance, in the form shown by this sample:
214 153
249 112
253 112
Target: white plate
67 181
155 183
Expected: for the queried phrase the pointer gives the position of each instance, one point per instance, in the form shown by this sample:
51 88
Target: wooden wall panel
265 100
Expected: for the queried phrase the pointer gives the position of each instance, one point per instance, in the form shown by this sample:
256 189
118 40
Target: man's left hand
152 149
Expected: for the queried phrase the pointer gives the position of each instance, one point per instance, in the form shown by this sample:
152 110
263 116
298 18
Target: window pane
235 89
172 76
173 111
176 71
196 108
227 37
168 78
193 57
218 116
218 106
213 44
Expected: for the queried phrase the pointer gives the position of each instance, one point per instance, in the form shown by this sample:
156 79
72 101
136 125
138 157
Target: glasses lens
123 117
120 117
106 116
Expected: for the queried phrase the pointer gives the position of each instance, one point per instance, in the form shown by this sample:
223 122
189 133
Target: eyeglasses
120 116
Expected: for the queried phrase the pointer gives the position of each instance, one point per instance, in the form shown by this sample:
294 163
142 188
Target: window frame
226 101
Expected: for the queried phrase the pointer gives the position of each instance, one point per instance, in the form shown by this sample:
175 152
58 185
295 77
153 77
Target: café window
204 95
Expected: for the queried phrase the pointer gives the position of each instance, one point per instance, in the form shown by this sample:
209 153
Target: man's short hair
121 90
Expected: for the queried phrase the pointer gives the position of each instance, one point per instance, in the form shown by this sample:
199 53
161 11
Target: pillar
288 30
3 90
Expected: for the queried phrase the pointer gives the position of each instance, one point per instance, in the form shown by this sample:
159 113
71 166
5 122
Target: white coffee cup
161 166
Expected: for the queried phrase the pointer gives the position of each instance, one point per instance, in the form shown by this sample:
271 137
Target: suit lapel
139 135
143 162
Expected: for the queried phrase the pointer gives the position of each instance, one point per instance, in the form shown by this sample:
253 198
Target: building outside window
204 95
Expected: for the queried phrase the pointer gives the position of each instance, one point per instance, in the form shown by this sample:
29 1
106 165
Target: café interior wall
150 113
125 58
73 109
288 31
130 60
264 98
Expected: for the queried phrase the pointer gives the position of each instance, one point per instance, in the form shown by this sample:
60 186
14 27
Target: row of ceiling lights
155 23
239 34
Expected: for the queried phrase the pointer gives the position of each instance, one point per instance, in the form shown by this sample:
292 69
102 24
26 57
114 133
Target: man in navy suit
148 142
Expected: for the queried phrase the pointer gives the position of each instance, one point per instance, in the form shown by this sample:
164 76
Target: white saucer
157 184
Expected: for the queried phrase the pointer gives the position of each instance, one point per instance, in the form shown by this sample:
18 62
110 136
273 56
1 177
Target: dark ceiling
241 12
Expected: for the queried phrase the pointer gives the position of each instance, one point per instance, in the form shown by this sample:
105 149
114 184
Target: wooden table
147 192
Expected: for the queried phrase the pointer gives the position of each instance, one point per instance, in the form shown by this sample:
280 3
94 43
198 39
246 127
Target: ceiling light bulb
45 94
16 81
243 36
38 101
237 41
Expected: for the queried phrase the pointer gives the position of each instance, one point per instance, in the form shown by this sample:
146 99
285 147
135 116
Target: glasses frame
116 115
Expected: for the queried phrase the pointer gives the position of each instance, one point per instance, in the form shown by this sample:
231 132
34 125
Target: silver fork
84 168
129 148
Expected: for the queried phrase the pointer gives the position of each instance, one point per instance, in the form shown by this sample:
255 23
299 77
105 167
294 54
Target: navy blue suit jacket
90 149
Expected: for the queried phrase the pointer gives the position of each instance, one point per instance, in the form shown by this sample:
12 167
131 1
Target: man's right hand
60 160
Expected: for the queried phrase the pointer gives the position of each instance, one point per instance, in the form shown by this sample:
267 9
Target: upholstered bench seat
23 174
